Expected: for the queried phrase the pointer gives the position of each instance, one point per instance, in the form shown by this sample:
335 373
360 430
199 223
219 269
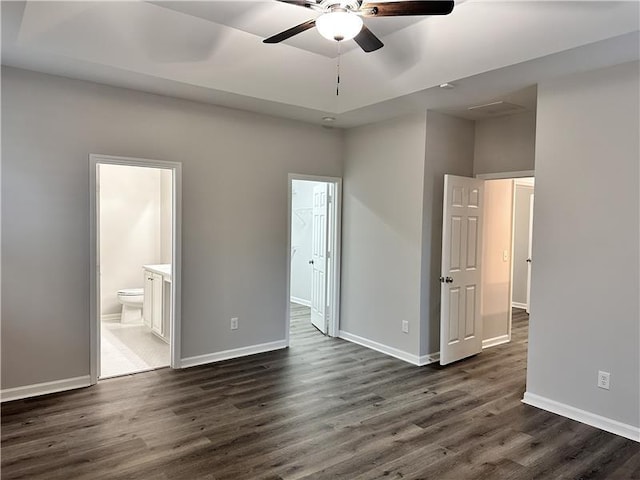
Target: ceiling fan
342 20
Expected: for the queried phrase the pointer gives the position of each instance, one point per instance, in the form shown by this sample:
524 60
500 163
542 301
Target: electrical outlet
603 379
405 326
234 323
505 255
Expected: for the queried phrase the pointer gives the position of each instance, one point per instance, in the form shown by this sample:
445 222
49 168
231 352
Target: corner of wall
449 148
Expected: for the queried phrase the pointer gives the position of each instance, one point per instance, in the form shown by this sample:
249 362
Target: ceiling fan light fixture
339 26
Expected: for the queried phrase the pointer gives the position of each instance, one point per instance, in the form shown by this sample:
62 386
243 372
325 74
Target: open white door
529 253
460 319
319 250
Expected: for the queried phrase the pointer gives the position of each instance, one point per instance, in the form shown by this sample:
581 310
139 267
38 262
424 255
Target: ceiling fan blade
394 9
367 40
300 3
279 37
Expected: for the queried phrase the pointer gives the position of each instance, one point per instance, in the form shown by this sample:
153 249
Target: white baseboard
429 358
598 421
523 306
492 342
234 353
110 317
17 393
301 301
393 352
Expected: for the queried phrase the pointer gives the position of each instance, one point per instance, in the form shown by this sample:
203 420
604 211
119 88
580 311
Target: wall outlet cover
234 323
603 379
405 326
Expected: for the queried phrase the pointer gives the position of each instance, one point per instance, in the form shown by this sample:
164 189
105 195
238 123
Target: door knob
528 260
311 262
449 280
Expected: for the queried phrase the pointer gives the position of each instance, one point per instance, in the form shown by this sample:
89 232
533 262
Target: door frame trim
94 248
334 261
506 175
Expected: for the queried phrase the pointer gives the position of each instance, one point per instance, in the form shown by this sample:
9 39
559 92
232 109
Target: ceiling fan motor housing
349 5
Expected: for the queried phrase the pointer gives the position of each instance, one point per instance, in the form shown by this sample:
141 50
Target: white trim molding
506 175
110 317
387 350
300 301
234 353
525 182
523 306
597 421
492 342
429 358
37 389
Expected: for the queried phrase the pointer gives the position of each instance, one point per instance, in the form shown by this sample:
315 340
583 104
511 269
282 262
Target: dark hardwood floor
322 409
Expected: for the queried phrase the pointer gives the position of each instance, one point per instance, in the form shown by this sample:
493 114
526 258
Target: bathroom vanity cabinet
156 309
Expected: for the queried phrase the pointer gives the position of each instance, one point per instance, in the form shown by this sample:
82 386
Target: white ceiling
212 51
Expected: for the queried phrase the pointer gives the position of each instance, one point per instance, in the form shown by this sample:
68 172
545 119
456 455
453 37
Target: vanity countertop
162 269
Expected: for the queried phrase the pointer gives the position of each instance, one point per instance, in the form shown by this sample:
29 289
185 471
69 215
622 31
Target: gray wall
449 149
584 295
392 226
235 167
521 242
382 230
505 144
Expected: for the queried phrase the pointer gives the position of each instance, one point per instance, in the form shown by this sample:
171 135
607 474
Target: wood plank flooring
322 409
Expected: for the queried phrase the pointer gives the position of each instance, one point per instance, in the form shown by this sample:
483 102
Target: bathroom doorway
314 255
134 259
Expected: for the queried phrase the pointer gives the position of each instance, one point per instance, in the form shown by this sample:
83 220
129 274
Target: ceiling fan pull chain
338 77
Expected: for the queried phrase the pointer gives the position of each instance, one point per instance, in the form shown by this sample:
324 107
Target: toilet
131 300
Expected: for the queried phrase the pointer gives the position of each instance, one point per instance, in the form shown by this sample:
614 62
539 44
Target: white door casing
529 250
460 317
175 293
319 255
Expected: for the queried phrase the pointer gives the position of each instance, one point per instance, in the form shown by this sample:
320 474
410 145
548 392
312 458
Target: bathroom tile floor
128 349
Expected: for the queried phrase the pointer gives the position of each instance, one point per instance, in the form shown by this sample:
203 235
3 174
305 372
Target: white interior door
529 259
319 254
460 319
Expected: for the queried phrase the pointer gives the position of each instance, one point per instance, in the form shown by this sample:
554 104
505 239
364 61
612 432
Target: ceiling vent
496 108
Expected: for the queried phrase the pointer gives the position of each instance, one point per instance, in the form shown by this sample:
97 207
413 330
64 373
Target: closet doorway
314 254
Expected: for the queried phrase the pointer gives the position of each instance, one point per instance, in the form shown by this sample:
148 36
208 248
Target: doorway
483 221
135 274
523 198
313 254
506 257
